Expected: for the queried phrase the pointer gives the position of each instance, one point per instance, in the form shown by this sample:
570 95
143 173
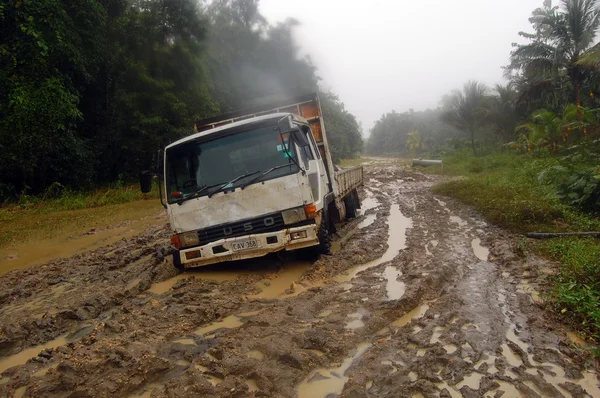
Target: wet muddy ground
420 297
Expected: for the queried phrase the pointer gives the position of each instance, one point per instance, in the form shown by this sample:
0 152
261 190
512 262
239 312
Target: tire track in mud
436 318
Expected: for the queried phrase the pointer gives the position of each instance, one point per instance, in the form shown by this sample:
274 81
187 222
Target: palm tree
502 113
414 142
563 36
466 110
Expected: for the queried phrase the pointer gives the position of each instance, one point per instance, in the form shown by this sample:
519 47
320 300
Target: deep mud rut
420 298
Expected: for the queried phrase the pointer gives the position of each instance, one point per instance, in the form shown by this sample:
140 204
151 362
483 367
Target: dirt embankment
421 297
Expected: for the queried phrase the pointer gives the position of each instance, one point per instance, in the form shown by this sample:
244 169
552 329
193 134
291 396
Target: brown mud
421 297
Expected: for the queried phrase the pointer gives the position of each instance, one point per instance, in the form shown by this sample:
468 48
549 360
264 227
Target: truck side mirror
146 181
300 137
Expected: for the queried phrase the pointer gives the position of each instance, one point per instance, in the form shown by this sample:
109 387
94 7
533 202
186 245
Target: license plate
244 245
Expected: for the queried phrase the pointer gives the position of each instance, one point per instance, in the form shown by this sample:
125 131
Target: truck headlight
293 216
188 239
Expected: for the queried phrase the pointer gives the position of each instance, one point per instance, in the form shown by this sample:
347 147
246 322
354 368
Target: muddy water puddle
29 353
458 220
480 252
230 322
22 256
369 203
416 313
329 382
285 283
356 320
219 276
394 287
398 224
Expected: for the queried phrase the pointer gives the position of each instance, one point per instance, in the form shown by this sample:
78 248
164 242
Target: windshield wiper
236 179
198 192
264 174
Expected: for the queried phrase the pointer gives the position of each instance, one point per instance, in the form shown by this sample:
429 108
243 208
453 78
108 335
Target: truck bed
348 180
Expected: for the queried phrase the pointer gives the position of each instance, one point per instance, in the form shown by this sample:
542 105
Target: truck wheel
351 203
177 260
324 246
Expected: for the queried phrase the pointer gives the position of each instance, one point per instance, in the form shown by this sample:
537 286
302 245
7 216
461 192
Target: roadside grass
42 217
352 162
507 190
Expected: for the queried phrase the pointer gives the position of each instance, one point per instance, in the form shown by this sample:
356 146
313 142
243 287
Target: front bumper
222 250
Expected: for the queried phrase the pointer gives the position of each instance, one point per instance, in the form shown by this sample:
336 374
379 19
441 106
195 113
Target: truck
254 182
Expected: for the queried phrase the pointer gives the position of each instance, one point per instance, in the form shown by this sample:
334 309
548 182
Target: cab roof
235 125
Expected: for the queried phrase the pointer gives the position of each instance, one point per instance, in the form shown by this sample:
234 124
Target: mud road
421 297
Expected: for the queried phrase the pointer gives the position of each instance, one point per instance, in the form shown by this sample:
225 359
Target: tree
563 36
467 109
502 112
343 131
414 142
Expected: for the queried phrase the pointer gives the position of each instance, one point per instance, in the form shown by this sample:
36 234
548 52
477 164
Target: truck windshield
194 165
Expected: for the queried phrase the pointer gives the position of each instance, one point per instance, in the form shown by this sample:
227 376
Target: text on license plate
244 245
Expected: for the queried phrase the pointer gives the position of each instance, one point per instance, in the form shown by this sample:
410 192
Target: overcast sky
380 55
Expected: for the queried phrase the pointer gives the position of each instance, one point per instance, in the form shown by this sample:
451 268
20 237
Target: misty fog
386 54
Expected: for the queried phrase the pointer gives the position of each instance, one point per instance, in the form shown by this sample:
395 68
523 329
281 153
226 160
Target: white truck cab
246 187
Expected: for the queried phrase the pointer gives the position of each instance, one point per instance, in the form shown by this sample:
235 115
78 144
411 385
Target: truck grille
258 225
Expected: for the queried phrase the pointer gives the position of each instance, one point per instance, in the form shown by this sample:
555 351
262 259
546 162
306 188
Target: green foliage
466 110
551 60
343 131
524 193
93 88
577 290
390 134
414 142
507 189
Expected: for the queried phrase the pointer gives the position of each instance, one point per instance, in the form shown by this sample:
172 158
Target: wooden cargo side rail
348 180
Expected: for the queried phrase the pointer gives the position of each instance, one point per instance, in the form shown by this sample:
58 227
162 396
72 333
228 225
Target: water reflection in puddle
395 288
480 252
356 321
322 383
369 203
398 224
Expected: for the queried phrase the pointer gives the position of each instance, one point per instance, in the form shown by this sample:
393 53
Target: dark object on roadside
425 163
550 235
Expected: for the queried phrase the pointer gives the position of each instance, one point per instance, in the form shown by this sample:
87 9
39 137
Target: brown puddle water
219 276
416 313
480 252
230 322
29 353
322 383
368 203
398 224
395 288
287 278
22 255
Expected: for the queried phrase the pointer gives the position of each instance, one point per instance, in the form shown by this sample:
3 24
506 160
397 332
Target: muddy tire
177 260
352 204
324 246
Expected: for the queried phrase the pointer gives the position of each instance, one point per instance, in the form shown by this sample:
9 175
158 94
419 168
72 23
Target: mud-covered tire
177 260
324 246
352 204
